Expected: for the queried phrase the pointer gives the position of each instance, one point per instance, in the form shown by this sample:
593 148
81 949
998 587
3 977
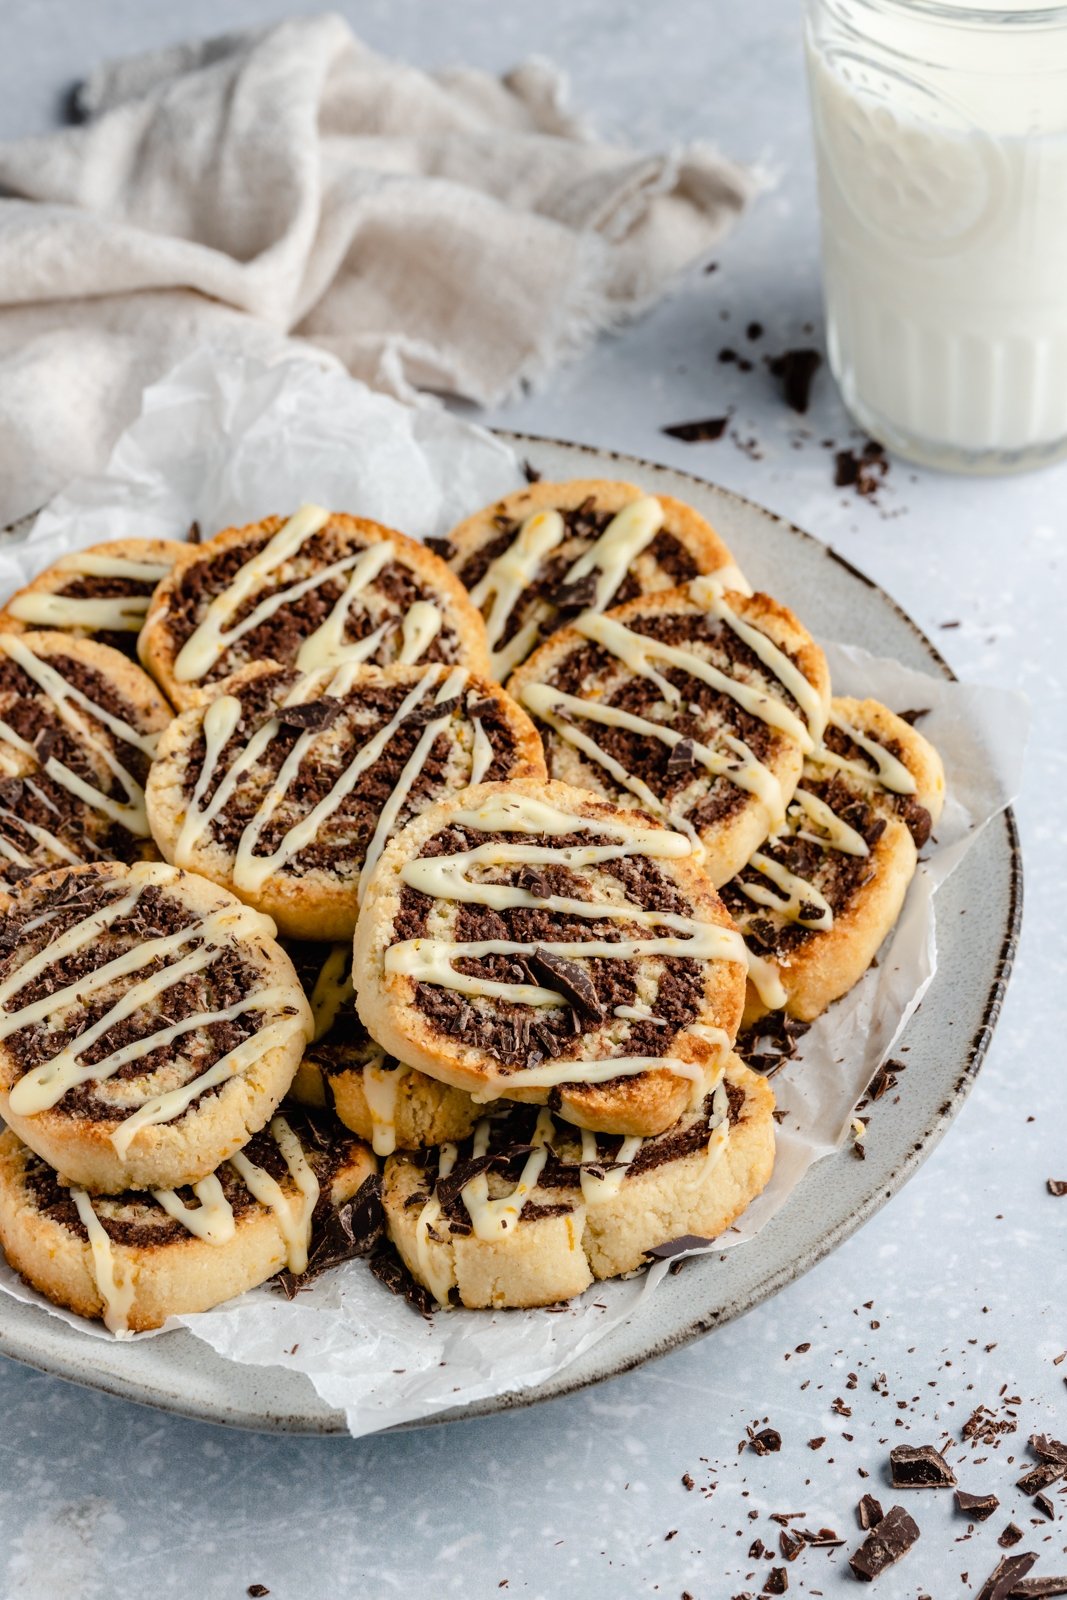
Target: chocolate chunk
920 1467
255 1590
863 472
977 1506
675 1247
912 717
481 708
1045 1506
311 714
777 1581
576 596
766 1442
681 757
790 1544
869 1512
1011 1535
351 1230
530 472
1005 1575
796 369
392 1274
709 428
1049 1449
568 979
441 547
431 711
893 1537
1057 1187
754 330
1039 1477
1036 1588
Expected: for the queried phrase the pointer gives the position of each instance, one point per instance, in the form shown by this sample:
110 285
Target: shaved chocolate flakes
920 1467
1036 1588
767 1441
704 431
392 1274
863 472
790 1544
1045 1506
912 717
892 1538
530 472
1011 1535
310 714
976 1506
1057 1187
777 1581
577 595
568 979
1005 1575
869 1512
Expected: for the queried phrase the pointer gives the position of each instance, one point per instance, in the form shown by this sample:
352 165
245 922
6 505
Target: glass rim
1034 16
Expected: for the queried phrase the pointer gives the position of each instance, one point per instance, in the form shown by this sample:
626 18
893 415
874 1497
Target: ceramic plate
947 1040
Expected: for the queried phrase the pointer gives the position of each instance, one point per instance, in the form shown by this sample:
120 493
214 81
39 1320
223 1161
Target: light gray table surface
956 1291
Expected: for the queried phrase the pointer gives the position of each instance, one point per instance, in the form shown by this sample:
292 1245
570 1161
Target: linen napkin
449 231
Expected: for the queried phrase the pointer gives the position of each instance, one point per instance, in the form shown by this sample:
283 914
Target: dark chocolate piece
976 1506
675 1247
682 756
441 547
1045 1506
911 717
920 1467
869 1511
790 1544
766 1442
311 714
351 1230
1005 1575
1037 1588
797 369
1039 1477
1011 1535
893 1537
776 1582
392 1274
576 596
530 472
863 472
1049 1449
708 429
255 1590
431 711
1057 1187
568 979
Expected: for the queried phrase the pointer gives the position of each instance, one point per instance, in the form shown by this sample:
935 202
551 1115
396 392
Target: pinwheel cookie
317 588
696 704
535 559
100 593
79 724
285 788
149 1023
816 900
531 941
529 1211
390 1105
135 1259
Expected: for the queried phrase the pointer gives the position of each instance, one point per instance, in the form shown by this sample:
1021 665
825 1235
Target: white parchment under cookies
230 442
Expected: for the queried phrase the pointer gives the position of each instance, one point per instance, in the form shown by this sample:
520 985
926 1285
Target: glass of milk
941 145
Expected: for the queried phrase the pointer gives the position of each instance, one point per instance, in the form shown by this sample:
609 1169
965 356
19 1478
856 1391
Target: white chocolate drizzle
433 1273
116 1286
629 532
333 989
293 1212
505 580
891 773
381 1090
117 613
493 1219
212 1220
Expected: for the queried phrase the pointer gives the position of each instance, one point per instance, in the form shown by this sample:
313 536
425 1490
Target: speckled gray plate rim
946 1042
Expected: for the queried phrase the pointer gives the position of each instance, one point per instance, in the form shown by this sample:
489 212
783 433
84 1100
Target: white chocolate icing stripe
495 1219
629 532
605 1183
381 1090
323 645
549 1074
834 833
419 629
891 773
433 1273
798 891
212 1220
116 1288
506 578
117 614
294 1216
98 564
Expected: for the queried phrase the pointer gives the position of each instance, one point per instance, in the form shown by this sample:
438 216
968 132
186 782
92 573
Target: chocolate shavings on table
920 1467
1037 1588
765 1441
351 1230
310 714
1012 1535
912 717
796 369
1052 1459
777 1581
1045 1506
978 1506
194 536
1005 1575
569 980
772 1041
392 1274
530 472
891 1538
1057 1187
676 1247
705 431
869 1512
864 472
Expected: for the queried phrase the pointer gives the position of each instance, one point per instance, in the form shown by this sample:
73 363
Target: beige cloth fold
448 231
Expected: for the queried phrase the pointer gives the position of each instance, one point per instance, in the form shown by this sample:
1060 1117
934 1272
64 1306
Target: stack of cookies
338 872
